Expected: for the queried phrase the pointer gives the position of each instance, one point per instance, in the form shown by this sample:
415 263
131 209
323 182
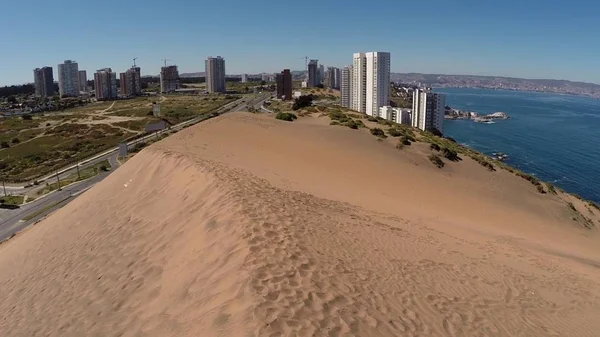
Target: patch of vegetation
450 154
15 200
541 189
378 132
571 206
372 119
551 188
384 121
335 123
595 205
436 160
405 140
483 162
339 116
303 101
286 116
434 147
352 124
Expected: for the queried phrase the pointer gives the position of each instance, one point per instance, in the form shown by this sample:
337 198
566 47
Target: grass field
50 141
12 200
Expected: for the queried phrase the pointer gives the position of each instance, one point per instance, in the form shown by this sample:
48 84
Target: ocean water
554 137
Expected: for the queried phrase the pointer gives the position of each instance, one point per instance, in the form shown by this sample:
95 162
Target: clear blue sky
526 38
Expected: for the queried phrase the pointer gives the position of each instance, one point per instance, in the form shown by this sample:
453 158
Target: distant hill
499 82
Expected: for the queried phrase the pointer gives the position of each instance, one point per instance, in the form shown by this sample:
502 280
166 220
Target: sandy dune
248 226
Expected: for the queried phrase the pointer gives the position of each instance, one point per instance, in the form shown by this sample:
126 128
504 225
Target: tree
11 99
27 117
16 141
302 102
4 145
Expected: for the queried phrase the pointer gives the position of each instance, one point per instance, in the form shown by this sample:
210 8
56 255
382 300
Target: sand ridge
197 235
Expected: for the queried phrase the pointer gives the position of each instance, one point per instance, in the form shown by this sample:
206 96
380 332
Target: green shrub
436 160
378 132
103 168
339 116
303 101
394 132
571 206
540 189
27 117
359 123
400 145
334 123
450 154
595 205
16 141
434 146
4 145
352 124
551 188
483 162
372 119
286 116
405 140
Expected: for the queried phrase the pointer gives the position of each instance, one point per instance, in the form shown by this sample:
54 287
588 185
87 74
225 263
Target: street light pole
4 186
78 175
58 179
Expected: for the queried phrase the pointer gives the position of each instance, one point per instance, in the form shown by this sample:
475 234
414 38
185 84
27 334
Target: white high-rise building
215 74
346 87
244 78
428 110
68 78
370 82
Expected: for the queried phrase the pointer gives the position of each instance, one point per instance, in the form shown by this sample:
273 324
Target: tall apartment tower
105 82
313 74
130 82
370 82
68 78
428 110
346 87
284 85
244 78
82 80
215 74
169 79
337 74
43 81
332 77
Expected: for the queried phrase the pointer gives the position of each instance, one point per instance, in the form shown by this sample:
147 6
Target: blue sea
555 137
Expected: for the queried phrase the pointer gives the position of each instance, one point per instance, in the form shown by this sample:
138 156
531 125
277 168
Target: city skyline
492 39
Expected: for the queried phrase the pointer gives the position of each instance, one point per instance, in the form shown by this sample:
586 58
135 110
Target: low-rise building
396 115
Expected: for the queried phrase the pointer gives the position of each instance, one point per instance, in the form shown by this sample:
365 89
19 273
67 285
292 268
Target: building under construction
169 79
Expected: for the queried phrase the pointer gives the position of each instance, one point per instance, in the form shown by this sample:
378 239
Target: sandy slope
247 226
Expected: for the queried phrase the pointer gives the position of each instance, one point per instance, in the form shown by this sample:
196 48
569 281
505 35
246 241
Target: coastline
535 137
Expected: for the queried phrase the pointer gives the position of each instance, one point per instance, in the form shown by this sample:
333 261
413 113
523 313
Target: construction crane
135 58
165 61
305 62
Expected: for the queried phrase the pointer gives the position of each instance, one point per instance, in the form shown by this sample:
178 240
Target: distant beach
551 136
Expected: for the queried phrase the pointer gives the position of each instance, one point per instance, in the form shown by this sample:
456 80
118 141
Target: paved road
10 220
